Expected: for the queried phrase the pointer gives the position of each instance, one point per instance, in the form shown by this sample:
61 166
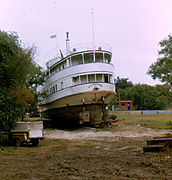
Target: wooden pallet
159 143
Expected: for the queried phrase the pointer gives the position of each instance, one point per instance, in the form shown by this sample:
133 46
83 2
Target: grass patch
169 107
160 121
158 125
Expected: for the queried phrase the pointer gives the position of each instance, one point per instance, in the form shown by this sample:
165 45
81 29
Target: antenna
92 27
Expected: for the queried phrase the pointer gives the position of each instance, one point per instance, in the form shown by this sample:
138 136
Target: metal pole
92 27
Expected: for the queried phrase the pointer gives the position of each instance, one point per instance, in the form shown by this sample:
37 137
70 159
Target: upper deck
77 49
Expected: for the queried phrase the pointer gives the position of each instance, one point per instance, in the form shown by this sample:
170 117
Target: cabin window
107 58
64 64
62 85
110 79
98 77
91 78
88 58
51 90
76 60
106 78
83 79
56 87
70 62
99 57
53 70
74 79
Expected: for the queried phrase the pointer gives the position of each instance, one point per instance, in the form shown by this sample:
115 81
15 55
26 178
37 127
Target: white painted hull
67 110
80 84
88 97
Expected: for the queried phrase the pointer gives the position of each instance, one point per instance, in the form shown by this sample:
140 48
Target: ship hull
84 108
79 84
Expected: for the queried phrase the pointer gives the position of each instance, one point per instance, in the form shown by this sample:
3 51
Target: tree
16 68
34 80
162 68
164 90
146 97
121 85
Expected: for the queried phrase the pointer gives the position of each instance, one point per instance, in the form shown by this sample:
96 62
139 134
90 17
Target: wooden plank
154 148
163 136
159 141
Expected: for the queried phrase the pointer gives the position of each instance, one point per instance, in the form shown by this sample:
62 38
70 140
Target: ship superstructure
79 84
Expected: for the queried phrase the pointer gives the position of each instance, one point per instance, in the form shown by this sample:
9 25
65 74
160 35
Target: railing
91 46
96 46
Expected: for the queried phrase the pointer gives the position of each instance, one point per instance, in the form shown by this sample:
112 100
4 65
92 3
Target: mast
92 28
94 58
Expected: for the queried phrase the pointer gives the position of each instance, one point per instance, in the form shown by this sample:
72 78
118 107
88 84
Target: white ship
79 84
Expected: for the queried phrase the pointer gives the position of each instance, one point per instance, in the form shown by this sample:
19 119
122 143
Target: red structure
125 105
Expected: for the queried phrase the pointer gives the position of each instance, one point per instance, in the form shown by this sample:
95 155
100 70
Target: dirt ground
88 153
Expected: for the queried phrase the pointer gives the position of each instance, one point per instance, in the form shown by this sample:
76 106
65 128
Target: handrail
96 46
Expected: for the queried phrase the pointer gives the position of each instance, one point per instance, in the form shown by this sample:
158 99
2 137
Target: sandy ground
88 153
119 130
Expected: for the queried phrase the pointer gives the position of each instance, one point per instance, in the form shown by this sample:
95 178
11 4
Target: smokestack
67 43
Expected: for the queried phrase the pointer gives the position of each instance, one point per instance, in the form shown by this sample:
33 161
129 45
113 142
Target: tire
17 142
35 142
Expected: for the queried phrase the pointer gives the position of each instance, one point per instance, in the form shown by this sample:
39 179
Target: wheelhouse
101 54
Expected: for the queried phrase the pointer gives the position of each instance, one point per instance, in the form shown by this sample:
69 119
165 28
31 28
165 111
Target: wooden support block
163 136
154 148
160 141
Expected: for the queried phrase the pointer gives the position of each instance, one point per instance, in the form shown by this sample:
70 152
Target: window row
81 59
53 89
89 58
88 78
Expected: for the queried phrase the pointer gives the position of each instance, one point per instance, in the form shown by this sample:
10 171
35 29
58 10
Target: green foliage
121 94
166 45
146 97
169 123
15 62
122 83
113 102
9 112
34 80
36 77
165 91
162 68
16 69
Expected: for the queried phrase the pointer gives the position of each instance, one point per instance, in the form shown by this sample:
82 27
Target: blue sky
133 28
